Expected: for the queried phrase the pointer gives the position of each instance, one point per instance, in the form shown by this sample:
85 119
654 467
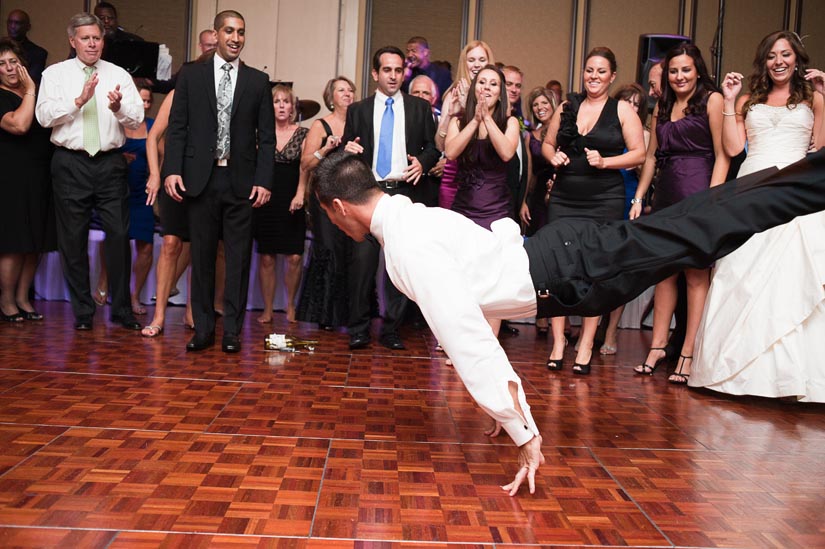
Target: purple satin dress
685 158
483 194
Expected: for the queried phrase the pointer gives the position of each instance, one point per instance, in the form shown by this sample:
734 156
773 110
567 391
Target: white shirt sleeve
440 287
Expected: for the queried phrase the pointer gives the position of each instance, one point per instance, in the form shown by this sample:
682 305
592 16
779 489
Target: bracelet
317 154
734 113
635 200
32 94
442 133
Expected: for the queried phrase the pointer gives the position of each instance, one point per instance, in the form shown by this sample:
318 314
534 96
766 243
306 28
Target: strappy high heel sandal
555 364
677 377
648 370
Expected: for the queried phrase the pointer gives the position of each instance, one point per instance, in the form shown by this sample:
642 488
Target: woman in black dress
27 224
324 298
279 227
590 138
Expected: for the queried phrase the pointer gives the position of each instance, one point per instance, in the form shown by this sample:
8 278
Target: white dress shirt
233 74
399 136
63 83
460 274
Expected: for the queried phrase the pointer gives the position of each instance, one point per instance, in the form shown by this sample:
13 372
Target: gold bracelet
729 113
32 94
442 133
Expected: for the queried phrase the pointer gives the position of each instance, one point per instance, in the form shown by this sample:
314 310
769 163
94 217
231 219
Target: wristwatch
317 154
635 200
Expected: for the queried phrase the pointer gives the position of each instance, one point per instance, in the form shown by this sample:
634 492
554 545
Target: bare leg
664 303
266 277
611 334
698 282
184 257
102 291
140 269
294 271
11 266
25 281
170 251
220 278
585 351
559 341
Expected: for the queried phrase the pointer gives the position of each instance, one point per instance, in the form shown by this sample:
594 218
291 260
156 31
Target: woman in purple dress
483 141
686 147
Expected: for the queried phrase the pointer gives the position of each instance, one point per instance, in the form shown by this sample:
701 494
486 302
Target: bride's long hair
760 81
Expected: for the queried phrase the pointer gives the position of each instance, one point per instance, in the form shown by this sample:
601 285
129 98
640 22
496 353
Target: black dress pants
218 210
361 285
82 183
588 268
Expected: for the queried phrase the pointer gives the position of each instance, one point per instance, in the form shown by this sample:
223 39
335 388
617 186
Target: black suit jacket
419 129
193 130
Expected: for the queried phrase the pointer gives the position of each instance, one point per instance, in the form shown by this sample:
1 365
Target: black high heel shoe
555 364
647 369
677 377
583 369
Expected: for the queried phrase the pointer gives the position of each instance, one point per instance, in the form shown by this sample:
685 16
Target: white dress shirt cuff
519 431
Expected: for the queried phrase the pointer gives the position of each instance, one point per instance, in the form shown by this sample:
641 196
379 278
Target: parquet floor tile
116 402
37 538
451 493
712 499
148 480
20 441
111 440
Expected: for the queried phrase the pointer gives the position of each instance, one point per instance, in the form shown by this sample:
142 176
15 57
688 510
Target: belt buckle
543 294
222 162
391 184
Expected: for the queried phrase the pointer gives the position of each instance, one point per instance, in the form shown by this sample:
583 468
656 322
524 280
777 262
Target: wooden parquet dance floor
111 440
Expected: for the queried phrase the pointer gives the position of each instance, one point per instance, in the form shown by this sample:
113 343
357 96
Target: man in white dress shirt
87 102
460 274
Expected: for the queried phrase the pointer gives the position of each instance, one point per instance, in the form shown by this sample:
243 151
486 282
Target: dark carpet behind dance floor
111 440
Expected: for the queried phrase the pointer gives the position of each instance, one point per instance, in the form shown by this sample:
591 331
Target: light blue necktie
383 164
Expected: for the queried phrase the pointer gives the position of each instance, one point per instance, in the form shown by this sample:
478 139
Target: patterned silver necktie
224 112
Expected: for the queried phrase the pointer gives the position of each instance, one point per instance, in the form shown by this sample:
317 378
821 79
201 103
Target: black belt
84 154
390 185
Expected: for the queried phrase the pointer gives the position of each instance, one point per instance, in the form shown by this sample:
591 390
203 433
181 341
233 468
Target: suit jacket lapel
208 72
408 119
368 113
240 85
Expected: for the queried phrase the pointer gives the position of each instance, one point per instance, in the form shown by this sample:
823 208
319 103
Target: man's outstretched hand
529 460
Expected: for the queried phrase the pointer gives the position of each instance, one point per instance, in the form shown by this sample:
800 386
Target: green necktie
91 132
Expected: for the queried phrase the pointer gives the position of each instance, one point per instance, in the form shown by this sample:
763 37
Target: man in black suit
220 150
394 133
18 26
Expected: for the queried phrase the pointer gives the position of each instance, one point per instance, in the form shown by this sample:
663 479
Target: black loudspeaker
652 49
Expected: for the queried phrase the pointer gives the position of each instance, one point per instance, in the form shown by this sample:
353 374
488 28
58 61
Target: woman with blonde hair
474 56
279 227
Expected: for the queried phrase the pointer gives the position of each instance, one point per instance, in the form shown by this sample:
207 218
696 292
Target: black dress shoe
392 341
200 342
127 321
359 340
83 323
508 329
230 344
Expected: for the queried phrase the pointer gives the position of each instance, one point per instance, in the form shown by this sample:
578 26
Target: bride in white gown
763 329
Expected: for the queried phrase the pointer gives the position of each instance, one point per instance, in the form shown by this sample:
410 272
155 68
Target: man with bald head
18 26
654 81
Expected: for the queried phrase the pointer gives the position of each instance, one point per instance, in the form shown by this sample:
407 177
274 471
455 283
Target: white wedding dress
763 328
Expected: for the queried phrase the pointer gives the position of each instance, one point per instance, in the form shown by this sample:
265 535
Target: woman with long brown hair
765 314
